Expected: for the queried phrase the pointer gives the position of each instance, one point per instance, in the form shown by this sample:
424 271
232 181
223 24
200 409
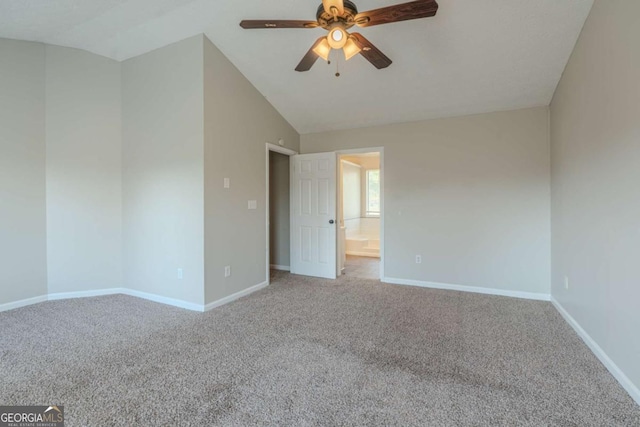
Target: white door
313 215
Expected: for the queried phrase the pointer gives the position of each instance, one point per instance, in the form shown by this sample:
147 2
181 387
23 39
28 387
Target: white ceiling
475 56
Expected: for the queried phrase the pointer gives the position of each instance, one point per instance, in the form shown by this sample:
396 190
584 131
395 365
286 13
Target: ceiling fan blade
338 4
370 52
399 12
277 23
311 57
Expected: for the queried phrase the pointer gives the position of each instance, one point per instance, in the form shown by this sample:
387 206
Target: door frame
287 152
382 191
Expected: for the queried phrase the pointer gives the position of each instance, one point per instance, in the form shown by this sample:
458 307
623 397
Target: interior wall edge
611 366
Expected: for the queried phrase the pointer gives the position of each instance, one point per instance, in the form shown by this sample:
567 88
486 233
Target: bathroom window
373 192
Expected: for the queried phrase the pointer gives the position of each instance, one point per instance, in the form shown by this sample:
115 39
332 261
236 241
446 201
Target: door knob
331 221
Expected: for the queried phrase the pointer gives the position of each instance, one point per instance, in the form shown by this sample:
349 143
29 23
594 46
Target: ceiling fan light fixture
350 49
338 16
323 49
337 38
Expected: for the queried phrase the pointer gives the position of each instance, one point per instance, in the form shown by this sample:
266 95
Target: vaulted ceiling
475 56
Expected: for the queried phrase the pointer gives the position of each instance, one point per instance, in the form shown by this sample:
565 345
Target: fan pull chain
338 66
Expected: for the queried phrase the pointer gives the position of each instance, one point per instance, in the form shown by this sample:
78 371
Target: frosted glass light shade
350 49
323 49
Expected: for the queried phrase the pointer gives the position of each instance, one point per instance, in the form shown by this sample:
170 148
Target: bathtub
362 237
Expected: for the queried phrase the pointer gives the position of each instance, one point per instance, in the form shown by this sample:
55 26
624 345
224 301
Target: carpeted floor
309 352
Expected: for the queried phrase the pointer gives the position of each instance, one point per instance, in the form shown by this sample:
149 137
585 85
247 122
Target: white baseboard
280 267
131 292
617 373
163 300
22 303
473 289
235 296
134 293
84 294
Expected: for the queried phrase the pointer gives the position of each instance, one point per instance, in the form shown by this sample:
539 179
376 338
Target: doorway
278 208
359 214
319 229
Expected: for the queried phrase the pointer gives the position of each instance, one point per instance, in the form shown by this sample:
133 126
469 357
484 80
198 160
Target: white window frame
367 212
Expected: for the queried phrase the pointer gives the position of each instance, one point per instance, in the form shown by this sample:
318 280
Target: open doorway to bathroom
359 209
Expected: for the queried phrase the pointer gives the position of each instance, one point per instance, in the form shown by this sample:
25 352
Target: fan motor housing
347 19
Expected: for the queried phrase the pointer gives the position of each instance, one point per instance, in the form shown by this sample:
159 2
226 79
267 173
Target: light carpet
308 352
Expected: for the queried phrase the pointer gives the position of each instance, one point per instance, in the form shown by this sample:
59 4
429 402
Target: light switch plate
227 183
253 204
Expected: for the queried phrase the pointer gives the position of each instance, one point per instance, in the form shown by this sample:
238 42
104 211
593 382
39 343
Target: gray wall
84 170
163 171
23 255
111 156
595 136
469 194
238 123
279 209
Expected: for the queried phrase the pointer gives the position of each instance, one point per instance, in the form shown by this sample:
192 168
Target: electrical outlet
227 271
566 283
180 274
227 183
418 259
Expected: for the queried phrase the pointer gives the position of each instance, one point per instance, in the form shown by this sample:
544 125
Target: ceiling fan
337 16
